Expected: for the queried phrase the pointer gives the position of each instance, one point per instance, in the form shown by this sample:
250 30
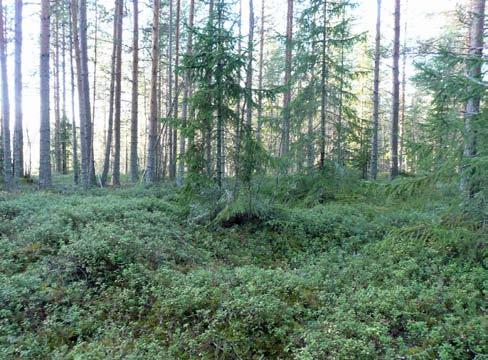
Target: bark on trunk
153 120
402 164
285 140
237 146
169 100
323 90
340 159
473 103
260 79
81 55
134 167
186 96
110 125
220 119
7 161
208 126
376 95
45 140
118 93
76 166
64 119
396 94
57 110
249 72
174 142
18 129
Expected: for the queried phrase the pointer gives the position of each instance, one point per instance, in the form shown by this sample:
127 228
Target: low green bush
128 273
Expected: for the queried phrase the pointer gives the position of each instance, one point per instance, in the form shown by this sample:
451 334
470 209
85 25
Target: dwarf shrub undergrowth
130 274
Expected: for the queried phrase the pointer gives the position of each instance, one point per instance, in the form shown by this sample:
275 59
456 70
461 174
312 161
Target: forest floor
139 273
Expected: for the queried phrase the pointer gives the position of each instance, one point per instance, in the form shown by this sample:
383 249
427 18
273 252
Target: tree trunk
85 85
153 120
250 44
285 141
473 103
186 95
45 136
219 84
81 55
208 126
18 129
237 146
134 171
323 90
396 94
310 132
118 93
401 156
7 161
93 179
110 126
260 79
76 166
64 118
162 143
248 100
340 158
95 62
170 89
174 142
376 95
57 110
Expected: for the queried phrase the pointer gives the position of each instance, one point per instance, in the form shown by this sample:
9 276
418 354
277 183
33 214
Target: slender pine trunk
76 164
170 84
64 118
208 125
402 164
260 77
340 158
285 139
57 109
134 163
238 137
153 121
323 90
174 142
376 95
118 93
249 72
110 125
18 129
186 97
7 160
45 141
396 94
219 84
